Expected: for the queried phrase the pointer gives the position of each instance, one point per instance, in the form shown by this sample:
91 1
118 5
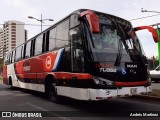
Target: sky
57 9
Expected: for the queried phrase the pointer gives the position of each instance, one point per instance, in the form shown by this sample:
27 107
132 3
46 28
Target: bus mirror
150 29
93 20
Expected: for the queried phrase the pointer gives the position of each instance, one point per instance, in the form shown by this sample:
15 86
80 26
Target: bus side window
18 55
9 61
13 56
22 52
5 59
38 45
62 34
44 43
77 50
32 49
74 20
27 49
52 39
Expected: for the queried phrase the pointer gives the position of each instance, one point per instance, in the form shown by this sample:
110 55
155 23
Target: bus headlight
102 81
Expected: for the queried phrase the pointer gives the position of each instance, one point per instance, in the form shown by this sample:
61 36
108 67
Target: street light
142 10
40 20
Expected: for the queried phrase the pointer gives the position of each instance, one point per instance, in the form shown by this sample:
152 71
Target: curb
146 97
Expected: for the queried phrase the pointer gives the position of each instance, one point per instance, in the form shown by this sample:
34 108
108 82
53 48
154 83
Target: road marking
3 93
37 107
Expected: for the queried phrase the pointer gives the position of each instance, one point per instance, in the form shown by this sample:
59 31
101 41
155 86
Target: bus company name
104 65
108 70
26 66
132 66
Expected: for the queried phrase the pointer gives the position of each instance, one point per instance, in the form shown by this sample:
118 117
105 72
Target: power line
26 24
144 17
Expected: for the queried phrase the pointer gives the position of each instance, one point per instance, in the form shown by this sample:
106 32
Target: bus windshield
116 41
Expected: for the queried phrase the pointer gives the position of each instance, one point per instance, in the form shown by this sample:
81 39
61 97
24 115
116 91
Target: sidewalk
154 95
1 81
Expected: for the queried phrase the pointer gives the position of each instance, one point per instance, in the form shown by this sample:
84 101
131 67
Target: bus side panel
33 70
30 73
5 81
25 71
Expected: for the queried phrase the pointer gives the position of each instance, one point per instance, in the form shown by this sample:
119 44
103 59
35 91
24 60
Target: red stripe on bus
125 84
67 76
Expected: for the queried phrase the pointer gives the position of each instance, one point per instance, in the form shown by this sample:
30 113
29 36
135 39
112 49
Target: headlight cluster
102 81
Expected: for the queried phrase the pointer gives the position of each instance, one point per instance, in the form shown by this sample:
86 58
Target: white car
155 74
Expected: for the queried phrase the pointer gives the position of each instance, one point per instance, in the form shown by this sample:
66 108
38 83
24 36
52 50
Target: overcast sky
58 9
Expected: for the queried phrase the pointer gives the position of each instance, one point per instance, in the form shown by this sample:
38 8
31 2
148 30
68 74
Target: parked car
155 74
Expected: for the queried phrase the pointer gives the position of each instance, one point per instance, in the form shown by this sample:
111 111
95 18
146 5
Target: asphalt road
22 100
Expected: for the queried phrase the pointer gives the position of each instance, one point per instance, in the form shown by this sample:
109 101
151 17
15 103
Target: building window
13 27
13 44
13 36
13 33
13 41
13 23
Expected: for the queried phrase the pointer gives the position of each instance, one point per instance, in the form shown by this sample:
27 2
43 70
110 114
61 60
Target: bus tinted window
28 49
77 50
5 59
38 45
10 57
13 56
52 39
18 55
22 52
74 21
62 34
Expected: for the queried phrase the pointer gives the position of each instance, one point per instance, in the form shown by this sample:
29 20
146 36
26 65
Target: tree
1 64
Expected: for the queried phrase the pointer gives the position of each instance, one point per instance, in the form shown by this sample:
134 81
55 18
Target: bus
88 55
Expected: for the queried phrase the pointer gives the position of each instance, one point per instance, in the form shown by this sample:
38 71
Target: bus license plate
133 91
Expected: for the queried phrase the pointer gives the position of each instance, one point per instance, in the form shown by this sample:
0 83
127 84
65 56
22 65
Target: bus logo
123 71
48 62
26 66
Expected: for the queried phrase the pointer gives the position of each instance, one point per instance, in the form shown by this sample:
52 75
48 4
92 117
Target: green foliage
1 64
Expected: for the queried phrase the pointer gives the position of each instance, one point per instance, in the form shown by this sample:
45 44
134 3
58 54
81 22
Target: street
24 100
155 85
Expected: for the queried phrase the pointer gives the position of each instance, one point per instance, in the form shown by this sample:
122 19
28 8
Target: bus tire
11 84
52 93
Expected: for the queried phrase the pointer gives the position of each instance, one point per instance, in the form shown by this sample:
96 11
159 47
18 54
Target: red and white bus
88 55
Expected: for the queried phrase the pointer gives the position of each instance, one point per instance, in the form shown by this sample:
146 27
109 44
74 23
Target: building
1 43
13 34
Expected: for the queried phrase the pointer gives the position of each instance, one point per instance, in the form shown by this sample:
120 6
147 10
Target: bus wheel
11 84
52 93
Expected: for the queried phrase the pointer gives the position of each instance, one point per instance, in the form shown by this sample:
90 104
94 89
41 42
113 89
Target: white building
1 43
12 35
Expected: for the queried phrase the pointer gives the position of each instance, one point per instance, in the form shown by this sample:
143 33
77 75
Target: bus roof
74 12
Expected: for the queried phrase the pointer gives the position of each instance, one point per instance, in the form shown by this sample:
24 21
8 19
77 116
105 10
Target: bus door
77 52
